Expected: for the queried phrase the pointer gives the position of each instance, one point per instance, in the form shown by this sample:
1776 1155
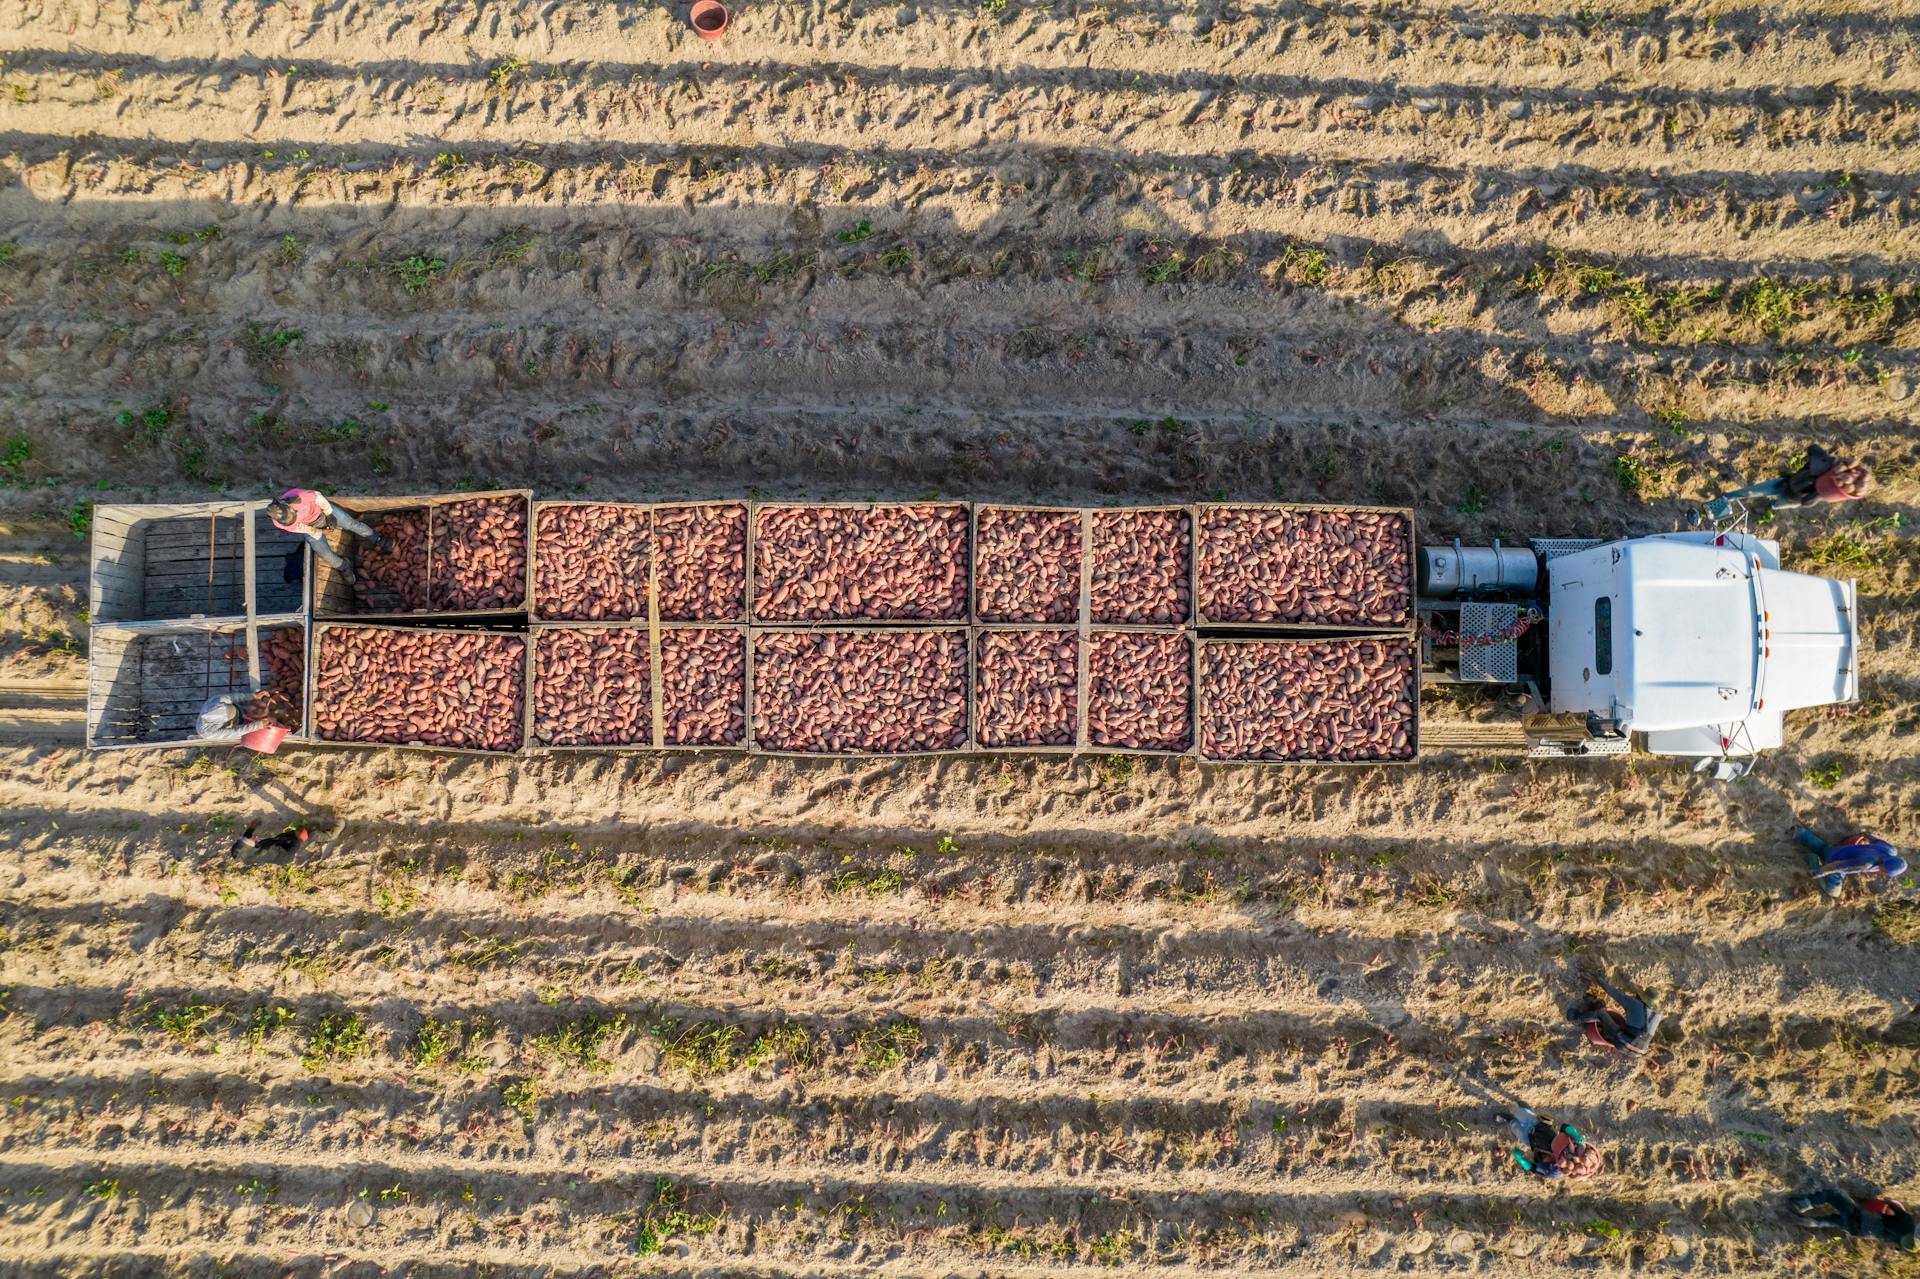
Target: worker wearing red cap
310 514
1862 854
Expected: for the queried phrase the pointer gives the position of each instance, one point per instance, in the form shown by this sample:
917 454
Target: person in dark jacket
1821 478
1630 1028
287 840
1549 1151
1869 1218
1862 854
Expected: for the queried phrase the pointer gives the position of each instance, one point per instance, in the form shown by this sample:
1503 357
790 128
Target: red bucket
709 19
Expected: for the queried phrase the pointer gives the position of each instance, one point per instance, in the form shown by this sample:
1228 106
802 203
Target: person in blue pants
1860 855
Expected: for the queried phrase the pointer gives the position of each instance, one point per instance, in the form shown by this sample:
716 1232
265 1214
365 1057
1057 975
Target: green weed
290 251
781 266
267 1021
708 1048
856 233
1082 264
432 1043
1846 548
1770 305
336 1037
416 272
897 260
187 1025
880 1048
264 343
173 264
80 517
857 876
15 452
154 420
667 1216
1900 921
578 1043
1635 475
510 246
501 78
1166 270
1827 774
523 1097
104 1188
1305 265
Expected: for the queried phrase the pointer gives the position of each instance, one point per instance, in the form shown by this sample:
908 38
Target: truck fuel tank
1450 571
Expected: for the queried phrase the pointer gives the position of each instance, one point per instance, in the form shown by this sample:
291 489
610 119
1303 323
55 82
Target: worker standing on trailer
1870 1218
1630 1029
310 514
1863 854
1822 478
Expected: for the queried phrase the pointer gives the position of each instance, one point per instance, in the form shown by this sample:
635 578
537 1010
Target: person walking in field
1549 1151
1629 1029
1869 1218
1863 854
288 840
309 514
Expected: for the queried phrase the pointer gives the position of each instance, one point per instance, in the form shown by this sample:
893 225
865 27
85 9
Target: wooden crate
175 562
657 634
147 682
1090 520
973 584
1078 635
317 640
333 599
1091 634
656 575
756 633
755 554
1404 626
1203 691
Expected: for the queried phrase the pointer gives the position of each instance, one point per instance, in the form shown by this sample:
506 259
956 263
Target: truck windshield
1603 635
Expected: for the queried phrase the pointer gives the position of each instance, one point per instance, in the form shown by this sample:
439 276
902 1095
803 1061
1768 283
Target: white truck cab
1697 641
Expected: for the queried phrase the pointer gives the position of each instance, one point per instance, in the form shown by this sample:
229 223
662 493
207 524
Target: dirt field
1533 269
